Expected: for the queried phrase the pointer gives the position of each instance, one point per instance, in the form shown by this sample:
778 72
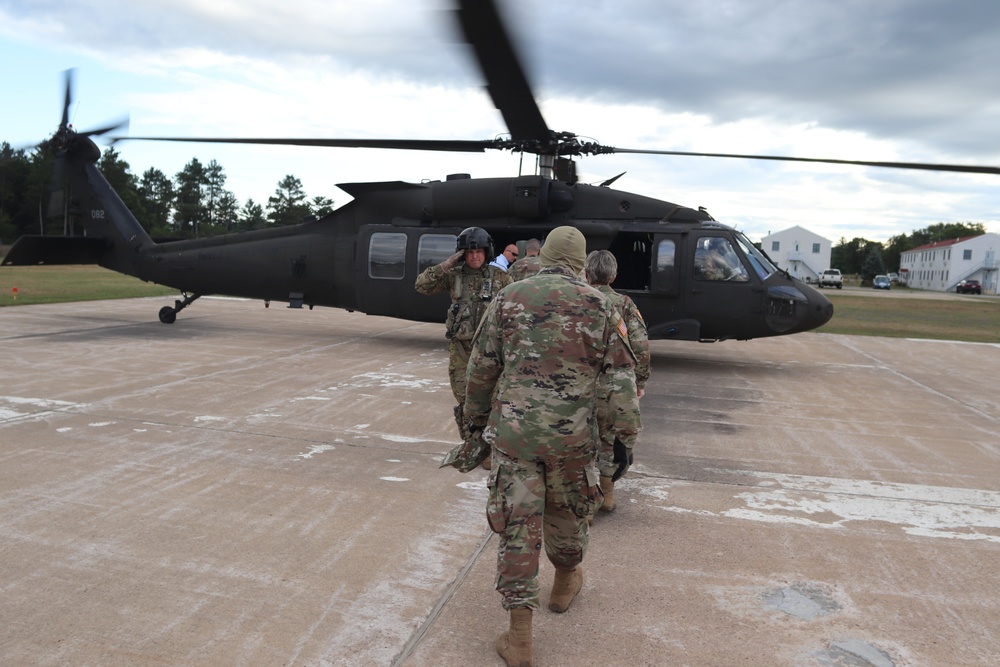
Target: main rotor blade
400 144
972 169
68 100
505 79
104 130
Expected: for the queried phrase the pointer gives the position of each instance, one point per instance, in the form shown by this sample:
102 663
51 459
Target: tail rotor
68 142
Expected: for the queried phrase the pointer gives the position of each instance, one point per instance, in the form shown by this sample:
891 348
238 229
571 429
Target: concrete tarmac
256 486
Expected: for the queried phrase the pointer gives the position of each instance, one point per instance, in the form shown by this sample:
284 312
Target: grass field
26 285
973 319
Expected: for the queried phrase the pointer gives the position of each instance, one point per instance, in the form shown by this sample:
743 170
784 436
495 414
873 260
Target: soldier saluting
472 284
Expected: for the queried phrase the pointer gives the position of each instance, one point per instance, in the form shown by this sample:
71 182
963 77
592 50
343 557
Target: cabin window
815 248
665 275
666 255
716 260
387 256
775 246
434 249
966 254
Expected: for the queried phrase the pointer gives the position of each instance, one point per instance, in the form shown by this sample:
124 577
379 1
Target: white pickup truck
831 278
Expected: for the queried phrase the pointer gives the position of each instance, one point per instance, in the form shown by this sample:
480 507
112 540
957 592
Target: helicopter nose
818 310
796 307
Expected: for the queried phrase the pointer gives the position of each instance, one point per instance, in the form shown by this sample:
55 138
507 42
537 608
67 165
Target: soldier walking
613 459
528 265
536 378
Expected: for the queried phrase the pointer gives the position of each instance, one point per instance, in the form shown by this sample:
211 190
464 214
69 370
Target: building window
775 246
966 254
815 248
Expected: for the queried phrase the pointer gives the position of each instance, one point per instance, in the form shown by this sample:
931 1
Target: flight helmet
474 238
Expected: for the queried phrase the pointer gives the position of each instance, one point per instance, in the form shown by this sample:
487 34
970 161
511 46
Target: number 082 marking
97 214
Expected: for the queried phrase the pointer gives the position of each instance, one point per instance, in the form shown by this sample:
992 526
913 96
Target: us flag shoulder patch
622 329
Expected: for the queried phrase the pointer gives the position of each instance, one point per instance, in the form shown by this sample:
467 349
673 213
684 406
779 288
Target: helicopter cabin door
722 292
649 272
390 257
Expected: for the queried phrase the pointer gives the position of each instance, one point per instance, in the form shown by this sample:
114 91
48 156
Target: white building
941 266
804 254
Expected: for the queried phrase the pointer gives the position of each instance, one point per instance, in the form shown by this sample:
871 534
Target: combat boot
565 587
608 487
514 646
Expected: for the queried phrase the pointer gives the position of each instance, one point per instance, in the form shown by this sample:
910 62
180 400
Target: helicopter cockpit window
716 259
434 249
387 256
758 260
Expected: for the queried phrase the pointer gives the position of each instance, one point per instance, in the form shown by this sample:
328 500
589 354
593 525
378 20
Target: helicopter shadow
696 397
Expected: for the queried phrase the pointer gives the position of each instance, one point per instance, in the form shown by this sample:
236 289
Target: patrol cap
565 246
468 455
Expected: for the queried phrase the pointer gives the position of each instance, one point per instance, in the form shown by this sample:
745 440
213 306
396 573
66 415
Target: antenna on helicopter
607 183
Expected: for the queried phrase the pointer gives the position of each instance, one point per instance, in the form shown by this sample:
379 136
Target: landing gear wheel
168 315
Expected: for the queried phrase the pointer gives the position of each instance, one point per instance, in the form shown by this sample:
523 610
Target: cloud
905 80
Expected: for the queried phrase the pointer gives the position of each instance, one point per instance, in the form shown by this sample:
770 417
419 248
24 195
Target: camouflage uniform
639 342
535 378
470 290
524 267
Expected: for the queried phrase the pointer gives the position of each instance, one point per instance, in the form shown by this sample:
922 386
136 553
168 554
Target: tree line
193 203
871 258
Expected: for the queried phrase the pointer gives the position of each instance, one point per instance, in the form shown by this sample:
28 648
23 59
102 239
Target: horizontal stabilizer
360 189
34 250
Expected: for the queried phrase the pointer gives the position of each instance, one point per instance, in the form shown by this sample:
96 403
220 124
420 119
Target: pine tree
874 266
156 195
288 205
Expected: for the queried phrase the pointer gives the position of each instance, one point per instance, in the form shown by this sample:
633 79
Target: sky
893 80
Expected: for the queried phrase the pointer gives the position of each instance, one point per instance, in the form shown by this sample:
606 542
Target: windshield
715 259
761 265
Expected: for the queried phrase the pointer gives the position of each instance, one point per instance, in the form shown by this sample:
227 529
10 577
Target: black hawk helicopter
692 277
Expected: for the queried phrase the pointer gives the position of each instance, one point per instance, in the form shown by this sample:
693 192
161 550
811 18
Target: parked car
969 287
831 278
881 282
893 278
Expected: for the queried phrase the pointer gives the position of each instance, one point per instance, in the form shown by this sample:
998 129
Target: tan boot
514 646
565 587
608 487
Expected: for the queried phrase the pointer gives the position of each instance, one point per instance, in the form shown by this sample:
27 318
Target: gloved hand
449 263
622 458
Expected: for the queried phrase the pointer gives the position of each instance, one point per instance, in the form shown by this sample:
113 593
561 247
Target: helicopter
692 277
